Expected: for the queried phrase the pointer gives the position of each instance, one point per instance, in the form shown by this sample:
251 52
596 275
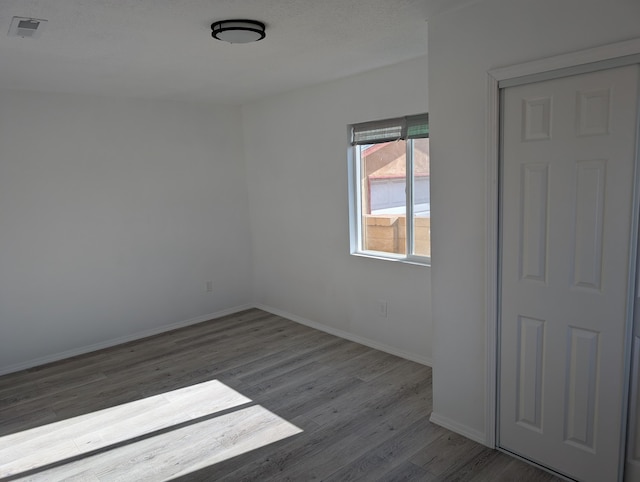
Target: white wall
296 154
113 214
463 46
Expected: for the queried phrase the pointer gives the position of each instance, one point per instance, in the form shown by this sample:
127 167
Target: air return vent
26 27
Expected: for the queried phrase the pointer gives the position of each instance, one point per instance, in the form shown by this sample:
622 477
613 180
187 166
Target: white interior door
567 203
632 466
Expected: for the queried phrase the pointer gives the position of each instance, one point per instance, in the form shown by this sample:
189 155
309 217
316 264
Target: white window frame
355 195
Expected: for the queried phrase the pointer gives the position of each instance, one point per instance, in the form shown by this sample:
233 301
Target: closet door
566 215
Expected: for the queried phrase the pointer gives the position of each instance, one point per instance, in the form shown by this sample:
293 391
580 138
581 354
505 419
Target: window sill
415 262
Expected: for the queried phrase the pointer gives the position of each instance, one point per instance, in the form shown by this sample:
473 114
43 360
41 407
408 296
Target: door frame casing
599 58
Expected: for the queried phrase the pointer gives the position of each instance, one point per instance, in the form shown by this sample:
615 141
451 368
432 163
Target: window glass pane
421 198
383 197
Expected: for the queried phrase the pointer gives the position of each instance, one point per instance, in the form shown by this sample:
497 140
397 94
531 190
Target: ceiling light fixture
238 31
26 27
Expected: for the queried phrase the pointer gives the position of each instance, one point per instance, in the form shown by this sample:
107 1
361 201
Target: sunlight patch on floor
155 438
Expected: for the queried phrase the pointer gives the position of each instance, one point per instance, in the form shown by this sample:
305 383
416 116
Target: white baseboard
346 335
470 433
117 341
173 326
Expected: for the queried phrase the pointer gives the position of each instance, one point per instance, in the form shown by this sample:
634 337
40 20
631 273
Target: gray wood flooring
247 397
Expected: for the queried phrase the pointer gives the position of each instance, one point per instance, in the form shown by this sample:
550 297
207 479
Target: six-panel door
566 203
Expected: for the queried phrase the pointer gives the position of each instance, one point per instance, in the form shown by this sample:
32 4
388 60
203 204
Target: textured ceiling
163 48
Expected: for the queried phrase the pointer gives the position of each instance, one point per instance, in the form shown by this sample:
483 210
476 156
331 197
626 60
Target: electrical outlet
382 308
209 286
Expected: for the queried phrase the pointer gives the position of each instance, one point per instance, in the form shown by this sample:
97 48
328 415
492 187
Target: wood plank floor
247 397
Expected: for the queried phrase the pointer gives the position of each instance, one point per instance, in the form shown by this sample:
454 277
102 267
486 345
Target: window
390 202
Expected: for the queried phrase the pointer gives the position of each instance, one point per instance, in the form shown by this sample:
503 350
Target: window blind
388 130
417 126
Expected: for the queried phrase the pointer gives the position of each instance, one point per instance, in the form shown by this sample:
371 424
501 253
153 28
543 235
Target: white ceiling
163 48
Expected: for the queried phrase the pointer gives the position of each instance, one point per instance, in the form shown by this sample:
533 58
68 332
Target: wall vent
26 27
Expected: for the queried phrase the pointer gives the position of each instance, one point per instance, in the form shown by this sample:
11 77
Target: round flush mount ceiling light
238 31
